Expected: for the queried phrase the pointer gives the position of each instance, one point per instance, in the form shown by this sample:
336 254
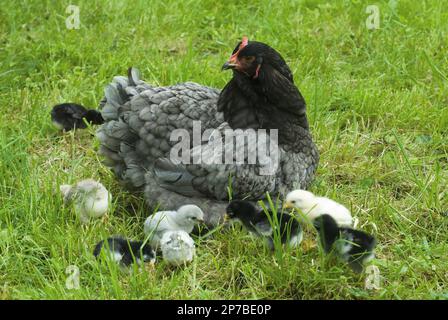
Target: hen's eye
249 59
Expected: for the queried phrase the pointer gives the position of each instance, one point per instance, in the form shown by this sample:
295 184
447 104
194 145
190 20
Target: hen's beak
228 65
232 63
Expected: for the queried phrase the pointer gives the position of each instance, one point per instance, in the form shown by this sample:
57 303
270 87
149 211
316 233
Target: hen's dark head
251 58
261 93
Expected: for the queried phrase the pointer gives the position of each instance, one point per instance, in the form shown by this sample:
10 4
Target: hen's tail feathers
117 138
115 98
134 76
119 92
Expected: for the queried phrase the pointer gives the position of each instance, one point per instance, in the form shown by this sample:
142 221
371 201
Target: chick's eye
293 201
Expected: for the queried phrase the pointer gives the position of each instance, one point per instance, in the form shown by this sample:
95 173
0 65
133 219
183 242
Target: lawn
377 104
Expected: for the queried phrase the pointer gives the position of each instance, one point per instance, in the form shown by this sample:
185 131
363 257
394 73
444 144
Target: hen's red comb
244 43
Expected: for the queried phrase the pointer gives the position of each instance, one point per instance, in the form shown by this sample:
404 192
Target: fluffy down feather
314 207
184 219
90 198
177 247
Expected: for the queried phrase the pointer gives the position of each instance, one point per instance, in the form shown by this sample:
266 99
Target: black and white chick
256 221
69 116
177 247
352 246
125 252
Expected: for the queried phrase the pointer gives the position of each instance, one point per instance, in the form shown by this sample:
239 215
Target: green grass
377 103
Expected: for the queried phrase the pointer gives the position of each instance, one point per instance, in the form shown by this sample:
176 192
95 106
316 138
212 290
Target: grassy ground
377 103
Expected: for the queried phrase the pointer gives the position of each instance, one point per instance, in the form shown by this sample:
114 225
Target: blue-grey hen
140 119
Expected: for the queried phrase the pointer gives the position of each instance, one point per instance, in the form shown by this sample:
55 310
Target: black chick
124 251
352 246
256 221
69 116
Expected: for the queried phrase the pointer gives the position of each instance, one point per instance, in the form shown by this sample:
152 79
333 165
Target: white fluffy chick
185 218
315 207
89 197
177 247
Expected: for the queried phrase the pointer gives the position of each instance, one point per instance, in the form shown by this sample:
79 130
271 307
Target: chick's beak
226 217
288 205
